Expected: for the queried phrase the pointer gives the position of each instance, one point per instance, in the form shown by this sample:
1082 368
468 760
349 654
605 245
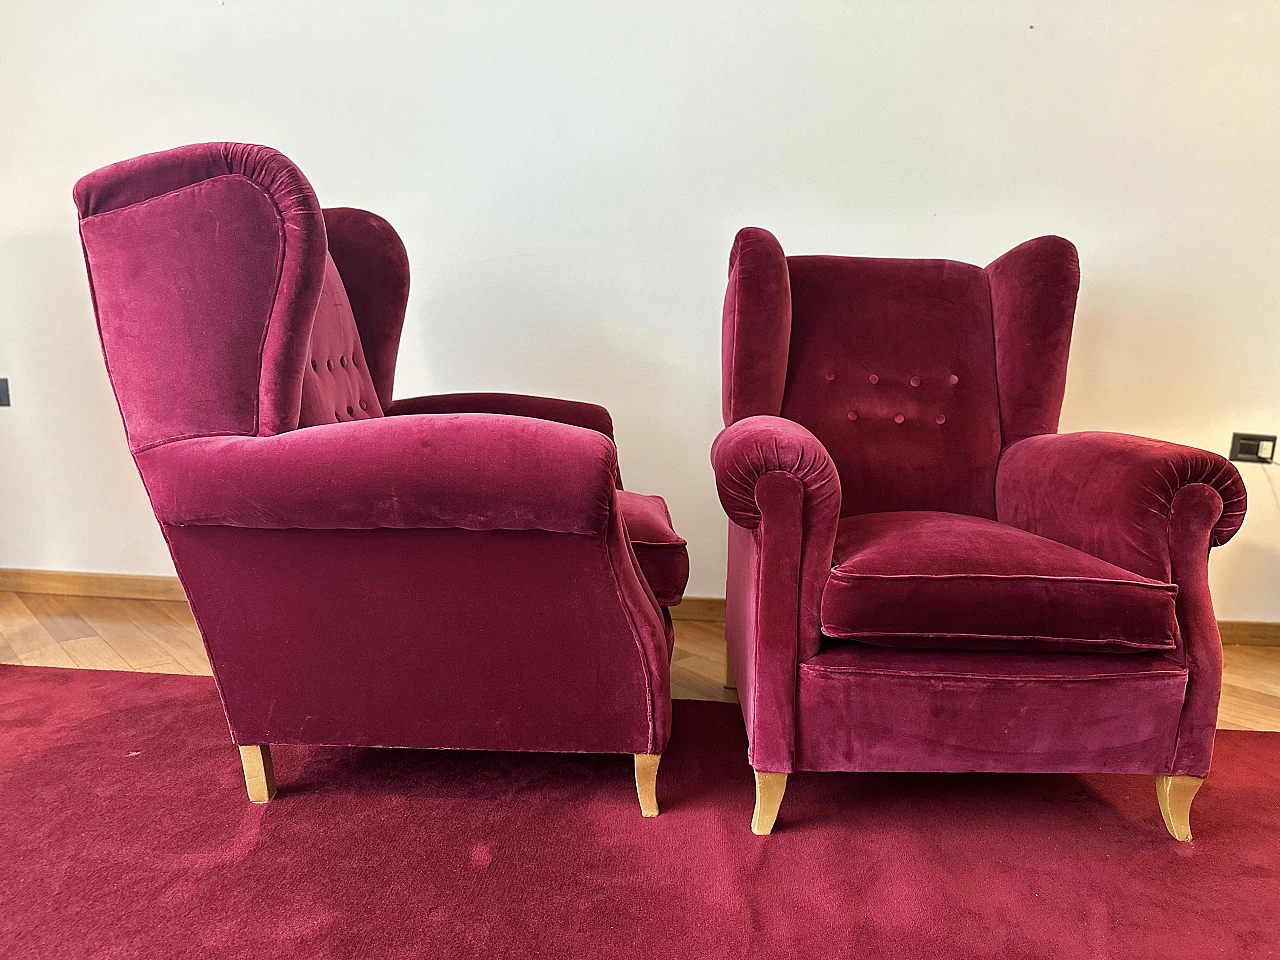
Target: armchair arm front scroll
781 491
1111 495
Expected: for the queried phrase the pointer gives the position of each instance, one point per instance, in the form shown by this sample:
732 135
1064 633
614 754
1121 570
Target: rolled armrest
1112 495
469 471
780 488
751 448
572 412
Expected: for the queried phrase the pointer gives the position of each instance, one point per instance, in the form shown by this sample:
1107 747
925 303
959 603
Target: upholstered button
314 365
851 415
953 379
915 381
337 416
873 378
351 412
329 364
830 375
363 405
342 361
355 358
939 419
899 418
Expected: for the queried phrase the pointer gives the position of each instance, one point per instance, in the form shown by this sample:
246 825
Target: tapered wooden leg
769 790
259 775
729 682
1175 795
647 782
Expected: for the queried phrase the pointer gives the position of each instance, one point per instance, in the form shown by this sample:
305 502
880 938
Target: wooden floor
159 636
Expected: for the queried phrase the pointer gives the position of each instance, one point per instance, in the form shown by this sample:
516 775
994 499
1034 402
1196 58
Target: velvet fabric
336 385
125 834
662 553
458 574
573 412
206 265
1111 495
756 327
998 597
374 268
472 471
868 708
446 666
944 580
1033 306
891 366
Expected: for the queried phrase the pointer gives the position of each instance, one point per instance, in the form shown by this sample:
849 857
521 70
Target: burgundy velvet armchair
457 571
923 574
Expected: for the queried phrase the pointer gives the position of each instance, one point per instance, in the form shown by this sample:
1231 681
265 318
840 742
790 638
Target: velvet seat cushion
660 551
925 580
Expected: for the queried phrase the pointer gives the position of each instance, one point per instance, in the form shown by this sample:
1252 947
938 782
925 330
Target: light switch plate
1253 447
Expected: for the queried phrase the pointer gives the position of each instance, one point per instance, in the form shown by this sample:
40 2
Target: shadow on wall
62 436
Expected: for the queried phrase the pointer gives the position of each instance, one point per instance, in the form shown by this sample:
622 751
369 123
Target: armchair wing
781 491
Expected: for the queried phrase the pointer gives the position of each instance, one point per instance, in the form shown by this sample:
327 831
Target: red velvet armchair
453 571
924 575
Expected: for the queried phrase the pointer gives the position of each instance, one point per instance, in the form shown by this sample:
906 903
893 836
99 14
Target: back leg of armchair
769 790
1175 795
259 774
647 782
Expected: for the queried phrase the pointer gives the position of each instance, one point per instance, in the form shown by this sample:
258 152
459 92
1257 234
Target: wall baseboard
1249 634
698 608
125 586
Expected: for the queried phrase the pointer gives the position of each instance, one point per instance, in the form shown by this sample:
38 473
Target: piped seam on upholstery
635 635
835 671
838 574
1103 641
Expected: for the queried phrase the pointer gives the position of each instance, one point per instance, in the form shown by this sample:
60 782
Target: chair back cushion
336 385
892 366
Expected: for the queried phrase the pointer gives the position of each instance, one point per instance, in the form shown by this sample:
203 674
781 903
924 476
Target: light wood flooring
159 636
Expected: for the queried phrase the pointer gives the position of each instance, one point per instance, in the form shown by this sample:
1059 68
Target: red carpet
124 832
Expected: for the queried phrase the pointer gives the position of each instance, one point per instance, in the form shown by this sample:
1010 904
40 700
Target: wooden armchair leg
259 775
769 790
1175 795
729 682
647 782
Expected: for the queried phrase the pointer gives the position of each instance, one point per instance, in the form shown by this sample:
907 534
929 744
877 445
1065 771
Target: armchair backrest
219 306
914 374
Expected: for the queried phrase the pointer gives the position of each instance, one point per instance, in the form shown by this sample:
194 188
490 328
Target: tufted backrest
214 291
903 369
336 385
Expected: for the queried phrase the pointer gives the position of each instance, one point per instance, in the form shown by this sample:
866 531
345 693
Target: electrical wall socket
1253 447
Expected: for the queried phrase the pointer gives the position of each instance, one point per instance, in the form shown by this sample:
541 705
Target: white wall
568 177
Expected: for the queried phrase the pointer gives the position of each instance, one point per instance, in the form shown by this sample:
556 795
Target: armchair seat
660 551
929 580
